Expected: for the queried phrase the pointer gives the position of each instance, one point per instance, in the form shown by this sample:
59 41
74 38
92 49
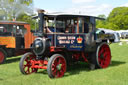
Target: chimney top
41 11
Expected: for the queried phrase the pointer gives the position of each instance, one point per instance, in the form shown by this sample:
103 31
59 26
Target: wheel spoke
54 72
58 74
59 61
26 59
53 67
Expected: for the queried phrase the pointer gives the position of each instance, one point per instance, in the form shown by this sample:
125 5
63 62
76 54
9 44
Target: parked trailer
15 39
63 39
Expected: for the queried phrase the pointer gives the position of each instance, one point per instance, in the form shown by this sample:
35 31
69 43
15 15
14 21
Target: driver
47 30
68 29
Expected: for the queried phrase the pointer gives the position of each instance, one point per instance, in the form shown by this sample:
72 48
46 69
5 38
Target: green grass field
79 74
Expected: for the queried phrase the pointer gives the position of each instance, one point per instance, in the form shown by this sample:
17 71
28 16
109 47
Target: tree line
117 19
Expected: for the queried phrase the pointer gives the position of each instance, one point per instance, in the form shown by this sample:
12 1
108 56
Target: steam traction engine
63 39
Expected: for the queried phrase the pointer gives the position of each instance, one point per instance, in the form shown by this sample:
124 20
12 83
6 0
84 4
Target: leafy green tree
118 18
27 2
11 9
101 23
27 18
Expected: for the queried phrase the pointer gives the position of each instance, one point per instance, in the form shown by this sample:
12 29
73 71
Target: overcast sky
88 7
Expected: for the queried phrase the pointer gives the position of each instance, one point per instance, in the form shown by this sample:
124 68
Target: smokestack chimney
41 20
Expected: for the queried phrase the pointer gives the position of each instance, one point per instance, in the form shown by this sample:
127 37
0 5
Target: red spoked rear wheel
56 66
103 56
25 63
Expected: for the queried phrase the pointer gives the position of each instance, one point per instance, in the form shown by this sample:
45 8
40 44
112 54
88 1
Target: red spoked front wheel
103 55
56 66
25 63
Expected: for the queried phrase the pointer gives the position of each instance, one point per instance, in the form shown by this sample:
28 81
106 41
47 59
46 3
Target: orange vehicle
15 39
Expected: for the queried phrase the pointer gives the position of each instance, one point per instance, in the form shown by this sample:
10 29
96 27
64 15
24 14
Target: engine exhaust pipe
41 20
